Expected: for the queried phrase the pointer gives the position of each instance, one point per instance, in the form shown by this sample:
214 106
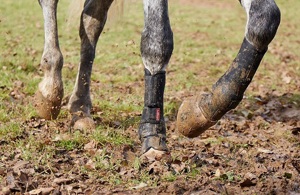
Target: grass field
254 149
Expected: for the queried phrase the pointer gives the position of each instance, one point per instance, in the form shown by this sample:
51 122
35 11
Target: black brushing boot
152 130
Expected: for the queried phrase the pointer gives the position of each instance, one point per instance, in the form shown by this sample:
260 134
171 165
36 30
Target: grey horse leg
92 22
50 90
156 50
198 113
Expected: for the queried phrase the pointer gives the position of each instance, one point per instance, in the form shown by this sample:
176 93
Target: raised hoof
191 121
46 108
83 123
154 155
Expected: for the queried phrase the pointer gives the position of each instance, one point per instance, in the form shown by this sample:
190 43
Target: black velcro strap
148 129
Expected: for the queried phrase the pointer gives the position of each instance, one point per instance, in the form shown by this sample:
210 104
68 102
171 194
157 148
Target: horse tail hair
115 12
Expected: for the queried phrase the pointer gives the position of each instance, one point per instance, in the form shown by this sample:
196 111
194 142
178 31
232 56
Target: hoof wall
46 108
157 143
191 121
83 123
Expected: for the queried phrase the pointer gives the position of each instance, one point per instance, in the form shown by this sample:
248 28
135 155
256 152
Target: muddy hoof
191 121
46 108
156 142
83 123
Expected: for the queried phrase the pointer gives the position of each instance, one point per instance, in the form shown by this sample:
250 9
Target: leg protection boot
152 130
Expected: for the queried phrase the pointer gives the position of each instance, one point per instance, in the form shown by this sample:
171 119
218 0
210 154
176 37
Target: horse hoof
46 108
84 124
191 121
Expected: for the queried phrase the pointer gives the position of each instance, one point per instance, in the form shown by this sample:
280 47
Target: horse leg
50 90
92 22
156 50
198 113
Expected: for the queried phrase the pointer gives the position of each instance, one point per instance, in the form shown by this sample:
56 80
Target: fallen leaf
141 185
286 78
266 151
91 145
90 164
178 166
62 181
18 165
43 191
218 173
154 155
5 191
156 167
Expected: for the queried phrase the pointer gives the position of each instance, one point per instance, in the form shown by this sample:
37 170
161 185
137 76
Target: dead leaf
141 185
5 191
10 179
69 187
260 169
91 145
178 166
19 165
286 78
43 191
154 155
129 156
266 151
90 164
62 181
218 173
156 168
24 178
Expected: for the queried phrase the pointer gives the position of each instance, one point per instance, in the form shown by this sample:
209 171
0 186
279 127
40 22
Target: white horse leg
201 112
92 22
156 50
50 90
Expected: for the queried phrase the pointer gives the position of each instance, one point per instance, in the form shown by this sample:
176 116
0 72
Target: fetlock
152 130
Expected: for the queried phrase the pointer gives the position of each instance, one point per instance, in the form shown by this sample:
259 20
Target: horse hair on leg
156 50
198 113
93 19
50 90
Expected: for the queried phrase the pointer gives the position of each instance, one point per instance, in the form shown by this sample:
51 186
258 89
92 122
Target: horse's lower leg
50 90
199 113
92 22
156 50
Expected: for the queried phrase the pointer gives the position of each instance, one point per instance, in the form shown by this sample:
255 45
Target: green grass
10 131
109 135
